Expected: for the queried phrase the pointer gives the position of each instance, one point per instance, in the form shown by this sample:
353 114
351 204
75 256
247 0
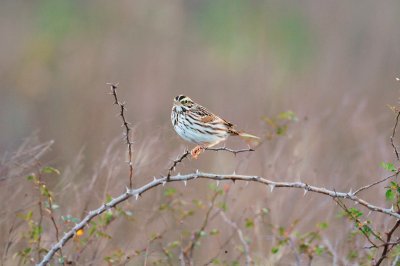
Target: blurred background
333 64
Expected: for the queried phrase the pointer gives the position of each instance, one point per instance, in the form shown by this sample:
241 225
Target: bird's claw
195 152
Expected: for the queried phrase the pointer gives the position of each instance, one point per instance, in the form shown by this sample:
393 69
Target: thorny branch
186 153
127 128
234 177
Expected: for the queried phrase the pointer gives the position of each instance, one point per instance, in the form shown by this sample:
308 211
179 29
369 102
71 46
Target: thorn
179 174
392 208
127 190
136 196
197 171
233 180
163 183
272 187
234 173
305 192
356 202
369 213
217 183
154 178
185 182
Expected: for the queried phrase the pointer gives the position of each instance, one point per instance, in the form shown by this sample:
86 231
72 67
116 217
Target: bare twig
8 243
188 250
246 249
41 185
375 183
127 128
176 162
229 150
227 241
393 134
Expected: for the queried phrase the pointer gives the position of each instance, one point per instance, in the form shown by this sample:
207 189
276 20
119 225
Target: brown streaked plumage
194 123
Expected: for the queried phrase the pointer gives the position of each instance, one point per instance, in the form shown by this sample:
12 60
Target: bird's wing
208 117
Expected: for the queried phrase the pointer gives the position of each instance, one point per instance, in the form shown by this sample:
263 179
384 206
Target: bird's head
183 101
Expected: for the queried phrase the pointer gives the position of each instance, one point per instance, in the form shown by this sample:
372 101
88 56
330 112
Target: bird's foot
195 152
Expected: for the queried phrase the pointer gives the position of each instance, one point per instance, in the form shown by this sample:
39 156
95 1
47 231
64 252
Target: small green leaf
389 195
322 225
215 188
50 170
288 115
108 217
366 230
28 216
216 261
214 232
108 198
249 223
275 250
223 206
169 192
30 177
45 191
388 167
355 212
319 250
174 244
281 130
36 232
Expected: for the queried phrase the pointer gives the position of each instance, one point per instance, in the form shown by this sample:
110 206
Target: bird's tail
250 139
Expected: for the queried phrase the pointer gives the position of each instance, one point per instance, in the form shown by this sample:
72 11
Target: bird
194 123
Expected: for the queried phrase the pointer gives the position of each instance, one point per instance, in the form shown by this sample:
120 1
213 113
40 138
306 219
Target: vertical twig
125 124
50 209
188 251
246 249
387 247
393 134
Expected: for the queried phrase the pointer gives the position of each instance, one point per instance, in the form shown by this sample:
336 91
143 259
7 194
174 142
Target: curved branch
162 181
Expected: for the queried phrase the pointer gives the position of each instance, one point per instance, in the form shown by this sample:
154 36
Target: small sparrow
194 123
